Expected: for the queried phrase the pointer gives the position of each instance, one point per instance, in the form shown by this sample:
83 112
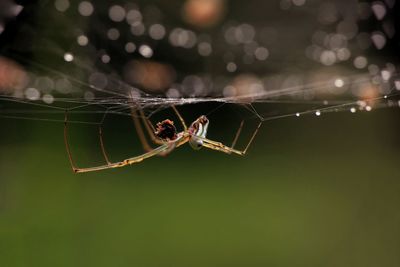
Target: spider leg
147 125
218 146
180 117
102 145
103 150
150 128
143 140
126 162
237 135
221 147
139 131
71 160
252 137
162 149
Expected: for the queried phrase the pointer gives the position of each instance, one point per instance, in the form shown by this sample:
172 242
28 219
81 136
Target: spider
166 137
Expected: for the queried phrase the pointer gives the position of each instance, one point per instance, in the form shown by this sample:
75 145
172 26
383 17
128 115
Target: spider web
319 73
291 99
111 103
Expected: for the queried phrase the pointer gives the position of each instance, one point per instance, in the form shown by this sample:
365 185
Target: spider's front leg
218 146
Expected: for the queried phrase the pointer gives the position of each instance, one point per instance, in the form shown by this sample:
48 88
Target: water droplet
68 57
146 51
85 8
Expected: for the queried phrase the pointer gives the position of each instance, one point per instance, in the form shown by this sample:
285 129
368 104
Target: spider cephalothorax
166 130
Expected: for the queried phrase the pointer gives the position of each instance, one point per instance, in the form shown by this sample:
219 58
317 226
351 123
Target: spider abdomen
195 143
198 131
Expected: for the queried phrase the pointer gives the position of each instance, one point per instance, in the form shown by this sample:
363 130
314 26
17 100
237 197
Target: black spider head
166 130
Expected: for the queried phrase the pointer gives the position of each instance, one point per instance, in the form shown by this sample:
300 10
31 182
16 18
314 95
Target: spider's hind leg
150 130
139 130
103 150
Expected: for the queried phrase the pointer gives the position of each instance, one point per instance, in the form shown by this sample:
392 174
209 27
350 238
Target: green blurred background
312 192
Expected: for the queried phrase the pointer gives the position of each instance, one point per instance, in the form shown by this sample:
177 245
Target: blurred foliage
311 192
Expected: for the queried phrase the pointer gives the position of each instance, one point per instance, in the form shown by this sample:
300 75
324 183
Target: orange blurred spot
368 92
12 76
203 13
245 87
153 76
